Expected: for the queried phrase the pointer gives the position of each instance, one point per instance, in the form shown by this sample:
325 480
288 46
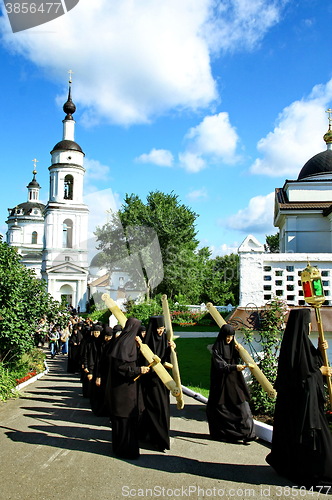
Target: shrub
7 383
269 324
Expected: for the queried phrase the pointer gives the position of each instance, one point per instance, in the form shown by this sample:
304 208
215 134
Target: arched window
34 238
67 234
68 187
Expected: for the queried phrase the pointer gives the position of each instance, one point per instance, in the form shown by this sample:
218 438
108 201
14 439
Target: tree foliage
23 301
181 269
272 243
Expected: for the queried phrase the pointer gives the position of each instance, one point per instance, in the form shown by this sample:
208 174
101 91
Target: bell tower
65 264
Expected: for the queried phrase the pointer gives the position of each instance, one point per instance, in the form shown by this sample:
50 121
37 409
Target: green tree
131 233
222 284
23 301
272 243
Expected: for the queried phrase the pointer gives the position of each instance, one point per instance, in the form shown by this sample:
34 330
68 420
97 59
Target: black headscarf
125 347
157 343
226 351
296 361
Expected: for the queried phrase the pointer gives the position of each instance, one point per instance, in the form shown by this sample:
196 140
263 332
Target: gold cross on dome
34 164
70 75
329 112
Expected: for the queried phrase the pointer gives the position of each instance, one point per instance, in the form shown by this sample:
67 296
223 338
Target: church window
67 234
326 283
34 238
267 268
267 297
290 269
291 297
68 187
267 278
279 283
325 273
278 273
67 259
279 292
267 287
290 278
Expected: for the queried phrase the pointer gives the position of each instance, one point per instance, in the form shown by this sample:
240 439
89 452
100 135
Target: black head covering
125 347
225 350
296 361
141 330
116 329
97 328
157 343
108 330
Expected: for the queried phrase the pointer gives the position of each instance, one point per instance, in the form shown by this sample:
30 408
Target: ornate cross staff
314 295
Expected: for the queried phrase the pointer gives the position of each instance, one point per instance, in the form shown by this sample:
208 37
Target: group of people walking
120 385
116 378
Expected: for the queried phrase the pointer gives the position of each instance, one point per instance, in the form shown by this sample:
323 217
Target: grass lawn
194 363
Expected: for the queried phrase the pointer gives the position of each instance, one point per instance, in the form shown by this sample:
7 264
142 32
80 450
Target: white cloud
241 24
191 162
160 157
256 217
134 60
197 194
213 140
95 170
297 136
214 136
101 203
224 249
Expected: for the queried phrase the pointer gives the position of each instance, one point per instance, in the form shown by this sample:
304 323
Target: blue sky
218 101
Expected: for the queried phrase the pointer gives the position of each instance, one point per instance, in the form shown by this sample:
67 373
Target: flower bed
186 318
27 377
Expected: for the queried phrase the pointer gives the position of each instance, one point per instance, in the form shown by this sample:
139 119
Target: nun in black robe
74 365
124 396
155 421
97 398
302 442
228 411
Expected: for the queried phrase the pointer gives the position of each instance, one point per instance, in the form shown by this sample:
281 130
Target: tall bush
23 301
268 324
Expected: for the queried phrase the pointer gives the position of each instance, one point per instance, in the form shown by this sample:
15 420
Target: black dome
33 183
67 145
27 208
318 164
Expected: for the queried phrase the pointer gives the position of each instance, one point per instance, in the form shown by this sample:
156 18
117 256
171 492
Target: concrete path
53 447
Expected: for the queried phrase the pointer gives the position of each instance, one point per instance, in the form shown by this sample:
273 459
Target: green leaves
23 301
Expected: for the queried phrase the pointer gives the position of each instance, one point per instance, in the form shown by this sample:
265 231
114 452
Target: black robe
74 364
302 442
228 412
123 396
155 421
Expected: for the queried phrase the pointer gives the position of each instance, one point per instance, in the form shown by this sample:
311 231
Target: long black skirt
231 422
125 437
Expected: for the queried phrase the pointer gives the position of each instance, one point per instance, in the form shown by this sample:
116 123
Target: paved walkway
53 447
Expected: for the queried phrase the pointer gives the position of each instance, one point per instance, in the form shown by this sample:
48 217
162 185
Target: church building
52 239
303 214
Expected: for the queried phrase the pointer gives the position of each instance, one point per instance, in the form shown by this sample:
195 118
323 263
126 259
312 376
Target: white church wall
309 191
266 275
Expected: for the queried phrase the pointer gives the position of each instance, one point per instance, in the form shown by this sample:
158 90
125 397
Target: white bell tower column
66 216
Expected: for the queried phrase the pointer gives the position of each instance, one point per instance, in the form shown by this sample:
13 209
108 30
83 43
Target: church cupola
33 186
67 171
